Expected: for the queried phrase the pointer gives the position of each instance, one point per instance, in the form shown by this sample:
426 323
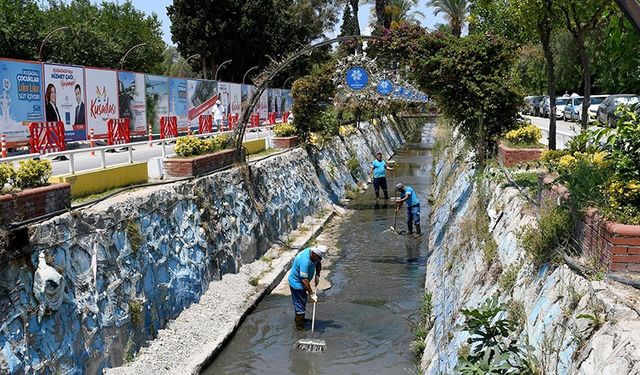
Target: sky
160 8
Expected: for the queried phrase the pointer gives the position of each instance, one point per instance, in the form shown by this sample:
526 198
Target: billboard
235 90
131 97
287 100
68 103
157 99
178 100
263 105
102 97
21 98
201 96
277 102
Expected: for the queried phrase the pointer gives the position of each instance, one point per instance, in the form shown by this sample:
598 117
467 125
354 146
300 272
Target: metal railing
102 150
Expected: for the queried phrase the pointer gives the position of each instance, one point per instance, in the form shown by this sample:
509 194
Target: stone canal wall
91 286
574 325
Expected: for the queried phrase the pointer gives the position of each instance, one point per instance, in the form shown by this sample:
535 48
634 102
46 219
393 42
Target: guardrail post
150 136
92 142
72 160
164 150
130 154
3 145
103 159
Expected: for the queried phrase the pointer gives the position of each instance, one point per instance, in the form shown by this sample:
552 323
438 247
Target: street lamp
47 38
215 78
185 61
245 74
285 82
127 54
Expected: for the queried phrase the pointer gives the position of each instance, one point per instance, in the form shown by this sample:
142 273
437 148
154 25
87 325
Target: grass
527 181
135 310
424 325
263 153
517 312
133 234
96 196
509 277
254 281
555 227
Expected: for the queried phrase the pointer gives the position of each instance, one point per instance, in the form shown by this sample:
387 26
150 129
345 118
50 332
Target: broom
312 345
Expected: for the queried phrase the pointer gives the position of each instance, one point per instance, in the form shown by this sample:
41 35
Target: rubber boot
418 231
410 225
299 322
386 194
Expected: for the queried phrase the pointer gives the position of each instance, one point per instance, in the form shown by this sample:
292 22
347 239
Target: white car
594 102
560 104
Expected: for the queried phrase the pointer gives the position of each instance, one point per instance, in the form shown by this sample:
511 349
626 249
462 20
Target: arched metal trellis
271 72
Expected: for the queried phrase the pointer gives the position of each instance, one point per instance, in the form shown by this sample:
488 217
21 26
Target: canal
368 313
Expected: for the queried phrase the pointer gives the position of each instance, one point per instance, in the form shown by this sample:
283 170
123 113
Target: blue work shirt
413 199
379 168
302 268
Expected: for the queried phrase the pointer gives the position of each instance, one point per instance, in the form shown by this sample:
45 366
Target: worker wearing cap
218 114
305 265
413 207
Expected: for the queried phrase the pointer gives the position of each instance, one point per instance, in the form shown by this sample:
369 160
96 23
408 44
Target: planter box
35 202
512 156
199 165
285 142
613 245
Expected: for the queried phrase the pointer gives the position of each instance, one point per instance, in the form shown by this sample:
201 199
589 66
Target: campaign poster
157 93
287 101
235 91
277 102
102 97
263 105
201 96
131 94
178 88
224 93
245 95
21 99
64 86
270 99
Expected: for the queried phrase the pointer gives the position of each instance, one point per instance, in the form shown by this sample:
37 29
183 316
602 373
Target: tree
223 29
581 17
455 12
20 29
348 27
400 11
100 35
312 95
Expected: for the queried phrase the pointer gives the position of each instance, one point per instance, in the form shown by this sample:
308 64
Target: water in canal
367 316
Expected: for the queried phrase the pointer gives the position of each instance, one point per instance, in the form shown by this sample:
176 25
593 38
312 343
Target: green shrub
555 227
33 173
284 130
7 175
553 156
188 146
528 135
328 121
509 277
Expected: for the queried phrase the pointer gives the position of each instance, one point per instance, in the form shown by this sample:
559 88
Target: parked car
544 106
532 105
560 104
594 102
607 109
570 112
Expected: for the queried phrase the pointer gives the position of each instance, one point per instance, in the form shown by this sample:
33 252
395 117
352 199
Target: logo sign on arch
357 78
385 87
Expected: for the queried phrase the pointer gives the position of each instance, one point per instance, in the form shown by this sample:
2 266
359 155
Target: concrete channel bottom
369 302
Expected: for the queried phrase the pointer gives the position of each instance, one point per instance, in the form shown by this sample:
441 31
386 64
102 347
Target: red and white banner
47 137
168 127
118 131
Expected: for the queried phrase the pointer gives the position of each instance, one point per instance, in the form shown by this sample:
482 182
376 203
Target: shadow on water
366 318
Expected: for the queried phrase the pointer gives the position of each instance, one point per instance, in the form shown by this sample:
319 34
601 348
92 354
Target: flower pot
285 142
35 202
199 165
513 156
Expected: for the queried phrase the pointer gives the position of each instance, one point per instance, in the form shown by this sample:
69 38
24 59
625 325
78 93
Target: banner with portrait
157 99
102 98
68 102
21 99
131 97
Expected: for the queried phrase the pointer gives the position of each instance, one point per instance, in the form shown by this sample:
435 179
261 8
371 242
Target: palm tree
455 12
400 11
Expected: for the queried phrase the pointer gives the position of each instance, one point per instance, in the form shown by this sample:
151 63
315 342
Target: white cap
218 102
320 251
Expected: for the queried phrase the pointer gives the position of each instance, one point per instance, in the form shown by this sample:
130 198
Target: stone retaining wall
122 269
